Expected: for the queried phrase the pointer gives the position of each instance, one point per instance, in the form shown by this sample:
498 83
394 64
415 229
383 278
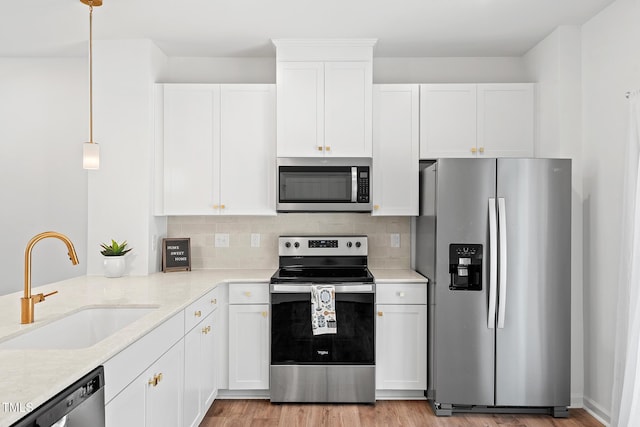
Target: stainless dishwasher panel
79 405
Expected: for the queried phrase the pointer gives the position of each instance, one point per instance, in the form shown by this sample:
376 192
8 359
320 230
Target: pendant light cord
91 72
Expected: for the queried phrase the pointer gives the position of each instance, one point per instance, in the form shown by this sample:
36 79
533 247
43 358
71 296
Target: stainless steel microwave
324 184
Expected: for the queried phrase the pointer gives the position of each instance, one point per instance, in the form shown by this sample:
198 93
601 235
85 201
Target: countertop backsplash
240 254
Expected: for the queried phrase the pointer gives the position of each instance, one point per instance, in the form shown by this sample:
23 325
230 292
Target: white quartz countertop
30 377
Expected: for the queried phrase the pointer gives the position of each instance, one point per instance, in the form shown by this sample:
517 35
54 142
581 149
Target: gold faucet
28 301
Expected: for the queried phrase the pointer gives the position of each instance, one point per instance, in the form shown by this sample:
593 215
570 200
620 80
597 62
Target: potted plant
114 261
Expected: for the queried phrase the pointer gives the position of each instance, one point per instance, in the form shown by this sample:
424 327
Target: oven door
292 341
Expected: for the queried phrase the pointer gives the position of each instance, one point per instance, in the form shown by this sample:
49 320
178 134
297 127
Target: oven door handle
306 288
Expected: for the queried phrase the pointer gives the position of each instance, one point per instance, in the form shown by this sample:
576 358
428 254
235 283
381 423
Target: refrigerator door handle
493 266
502 223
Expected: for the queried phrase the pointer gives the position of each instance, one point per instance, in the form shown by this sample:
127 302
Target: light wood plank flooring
386 413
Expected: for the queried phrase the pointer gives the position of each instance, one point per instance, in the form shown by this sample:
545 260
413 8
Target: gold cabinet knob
215 206
473 150
160 377
214 301
376 207
247 294
155 380
264 314
320 148
206 329
327 148
481 149
380 314
197 313
222 206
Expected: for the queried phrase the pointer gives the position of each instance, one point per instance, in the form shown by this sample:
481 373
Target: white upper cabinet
476 120
506 119
324 98
247 149
216 150
395 149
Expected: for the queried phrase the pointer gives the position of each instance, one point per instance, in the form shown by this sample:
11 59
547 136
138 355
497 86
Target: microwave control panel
363 184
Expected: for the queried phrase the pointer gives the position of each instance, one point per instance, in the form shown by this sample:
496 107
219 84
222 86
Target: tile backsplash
240 254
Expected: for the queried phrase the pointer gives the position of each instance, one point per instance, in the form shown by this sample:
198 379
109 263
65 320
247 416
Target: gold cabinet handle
155 380
247 294
264 314
320 148
380 314
206 329
473 150
481 149
197 313
327 148
376 207
215 206
214 301
222 206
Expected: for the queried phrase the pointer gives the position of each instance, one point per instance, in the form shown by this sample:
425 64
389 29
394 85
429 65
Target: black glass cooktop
322 275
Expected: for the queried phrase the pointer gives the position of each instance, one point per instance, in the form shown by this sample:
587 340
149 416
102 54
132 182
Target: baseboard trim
597 411
400 395
243 394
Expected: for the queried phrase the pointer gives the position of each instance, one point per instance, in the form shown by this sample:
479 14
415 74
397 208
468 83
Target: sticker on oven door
323 315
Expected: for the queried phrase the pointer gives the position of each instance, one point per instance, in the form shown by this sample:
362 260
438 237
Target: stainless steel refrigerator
494 238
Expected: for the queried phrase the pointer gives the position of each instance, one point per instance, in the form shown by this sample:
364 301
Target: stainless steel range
309 366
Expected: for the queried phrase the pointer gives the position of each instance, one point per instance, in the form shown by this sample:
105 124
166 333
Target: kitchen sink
79 329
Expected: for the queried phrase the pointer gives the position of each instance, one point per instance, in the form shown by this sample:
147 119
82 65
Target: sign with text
176 254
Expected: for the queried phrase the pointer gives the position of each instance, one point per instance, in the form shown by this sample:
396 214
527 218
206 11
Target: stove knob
287 245
296 244
358 244
349 244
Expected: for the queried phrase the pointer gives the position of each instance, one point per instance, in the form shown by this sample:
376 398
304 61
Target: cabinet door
209 362
164 398
248 346
128 407
347 90
247 144
190 132
395 149
193 378
401 347
505 120
448 125
300 129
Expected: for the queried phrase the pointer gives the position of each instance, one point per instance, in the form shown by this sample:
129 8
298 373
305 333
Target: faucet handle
40 297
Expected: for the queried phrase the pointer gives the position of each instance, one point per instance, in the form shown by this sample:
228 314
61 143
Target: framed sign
176 254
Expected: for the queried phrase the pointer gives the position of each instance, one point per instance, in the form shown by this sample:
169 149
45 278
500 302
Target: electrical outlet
222 240
255 240
395 240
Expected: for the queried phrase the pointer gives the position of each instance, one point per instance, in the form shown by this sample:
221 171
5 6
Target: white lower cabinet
248 336
154 398
200 385
401 337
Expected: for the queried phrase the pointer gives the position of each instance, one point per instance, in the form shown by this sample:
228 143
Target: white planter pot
114 266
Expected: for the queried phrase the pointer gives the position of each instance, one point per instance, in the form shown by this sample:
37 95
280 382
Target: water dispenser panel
465 267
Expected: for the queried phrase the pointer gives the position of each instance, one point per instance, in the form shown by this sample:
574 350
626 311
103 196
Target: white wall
385 70
610 67
43 123
554 64
449 70
120 193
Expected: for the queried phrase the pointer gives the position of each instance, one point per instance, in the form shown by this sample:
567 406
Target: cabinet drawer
248 293
401 293
199 309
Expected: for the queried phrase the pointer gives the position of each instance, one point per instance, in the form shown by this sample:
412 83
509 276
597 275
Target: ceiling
213 28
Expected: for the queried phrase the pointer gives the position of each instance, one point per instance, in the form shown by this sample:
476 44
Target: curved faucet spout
28 301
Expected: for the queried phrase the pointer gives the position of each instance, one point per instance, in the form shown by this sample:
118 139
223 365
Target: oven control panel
322 245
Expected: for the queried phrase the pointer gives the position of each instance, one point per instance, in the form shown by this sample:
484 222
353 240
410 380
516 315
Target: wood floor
386 413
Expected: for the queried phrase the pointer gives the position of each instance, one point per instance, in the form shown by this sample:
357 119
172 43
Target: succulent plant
114 249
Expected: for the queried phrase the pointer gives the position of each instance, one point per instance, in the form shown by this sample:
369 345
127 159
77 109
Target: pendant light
91 150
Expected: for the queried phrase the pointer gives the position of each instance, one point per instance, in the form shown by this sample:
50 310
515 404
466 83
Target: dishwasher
79 405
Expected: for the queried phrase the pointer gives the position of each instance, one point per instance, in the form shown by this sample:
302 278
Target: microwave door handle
354 184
